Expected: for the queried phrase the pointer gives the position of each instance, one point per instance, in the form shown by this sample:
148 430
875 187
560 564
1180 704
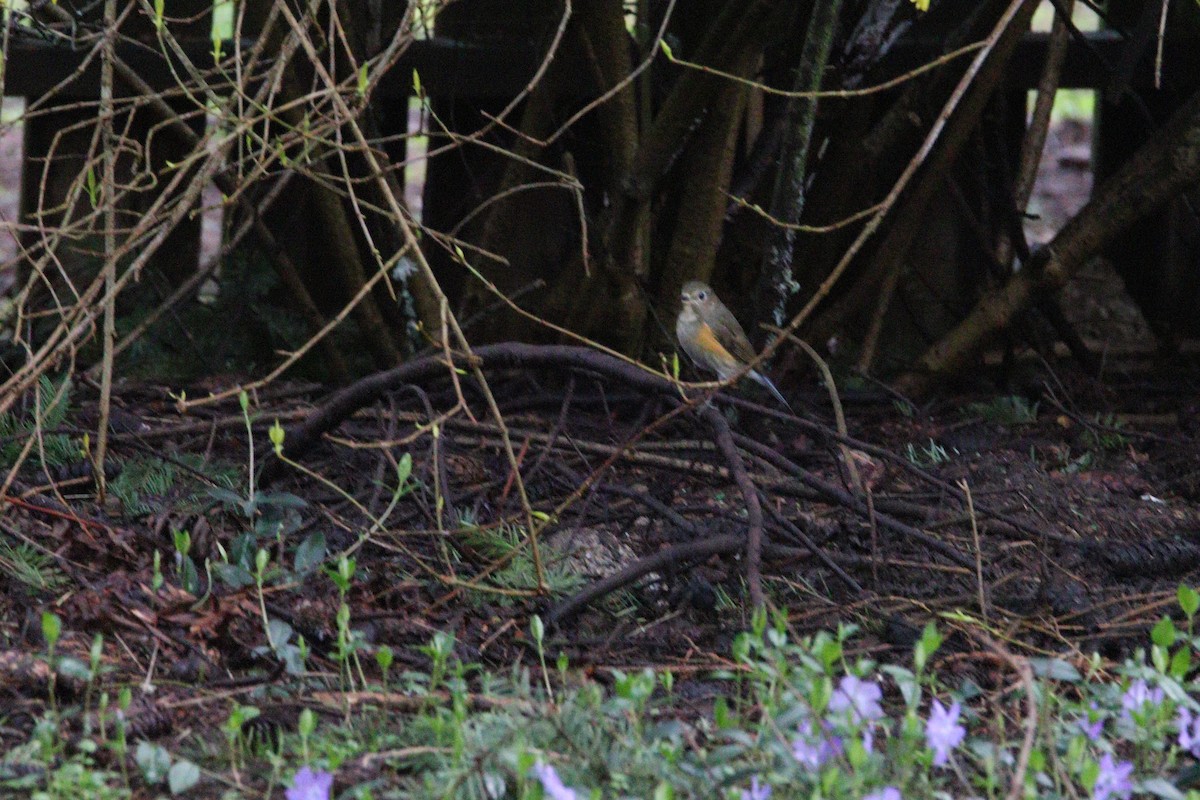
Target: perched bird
712 337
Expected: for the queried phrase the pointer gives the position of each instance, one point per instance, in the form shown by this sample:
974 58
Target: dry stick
108 192
342 404
1024 670
76 325
844 498
848 457
667 558
26 448
345 402
1047 91
966 489
4 51
754 524
1158 52
819 552
899 80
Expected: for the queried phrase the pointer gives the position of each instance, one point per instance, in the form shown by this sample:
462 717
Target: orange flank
708 342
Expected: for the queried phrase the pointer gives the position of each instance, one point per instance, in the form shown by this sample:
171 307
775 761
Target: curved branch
342 404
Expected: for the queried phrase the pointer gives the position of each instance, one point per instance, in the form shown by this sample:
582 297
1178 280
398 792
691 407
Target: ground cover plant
786 719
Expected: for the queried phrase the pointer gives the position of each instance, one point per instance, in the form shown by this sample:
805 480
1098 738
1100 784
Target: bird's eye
701 295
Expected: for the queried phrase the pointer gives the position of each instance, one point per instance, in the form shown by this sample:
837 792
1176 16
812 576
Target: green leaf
722 717
1189 600
232 575
158 14
1181 663
1164 633
276 435
310 553
1088 775
1055 669
225 496
404 469
930 641
664 791
70 667
182 776
416 83
280 631
92 189
51 627
280 500
153 760
666 48
363 81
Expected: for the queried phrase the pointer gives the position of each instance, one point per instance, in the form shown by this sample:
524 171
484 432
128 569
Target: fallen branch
754 512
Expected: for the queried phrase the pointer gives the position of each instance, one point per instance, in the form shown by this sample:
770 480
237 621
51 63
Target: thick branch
787 198
1165 166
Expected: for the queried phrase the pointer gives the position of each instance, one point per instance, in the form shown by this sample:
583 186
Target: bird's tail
765 381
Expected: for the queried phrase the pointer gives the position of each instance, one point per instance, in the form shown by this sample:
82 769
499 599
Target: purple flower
1091 724
1189 731
942 731
886 793
552 785
1138 696
812 748
756 791
1090 729
1113 780
868 740
309 785
860 698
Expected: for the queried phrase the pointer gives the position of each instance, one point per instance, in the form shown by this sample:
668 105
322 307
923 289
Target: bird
711 336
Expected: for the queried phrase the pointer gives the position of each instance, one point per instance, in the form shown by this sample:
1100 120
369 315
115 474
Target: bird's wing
729 332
